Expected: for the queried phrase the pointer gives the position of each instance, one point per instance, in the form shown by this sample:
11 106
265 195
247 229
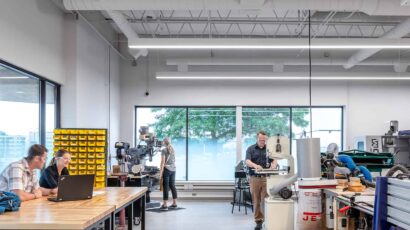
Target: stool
240 187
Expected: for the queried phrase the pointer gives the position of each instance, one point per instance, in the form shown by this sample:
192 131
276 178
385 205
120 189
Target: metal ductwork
130 33
399 31
370 7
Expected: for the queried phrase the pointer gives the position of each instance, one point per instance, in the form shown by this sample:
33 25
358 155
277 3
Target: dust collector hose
285 182
348 161
397 168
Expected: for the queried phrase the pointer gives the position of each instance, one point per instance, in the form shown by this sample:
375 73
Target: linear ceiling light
13 77
274 76
274 43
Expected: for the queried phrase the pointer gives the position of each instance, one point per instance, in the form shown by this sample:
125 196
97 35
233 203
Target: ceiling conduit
370 7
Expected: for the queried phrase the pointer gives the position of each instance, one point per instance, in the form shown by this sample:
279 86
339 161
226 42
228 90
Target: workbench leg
335 213
130 216
107 223
142 203
112 221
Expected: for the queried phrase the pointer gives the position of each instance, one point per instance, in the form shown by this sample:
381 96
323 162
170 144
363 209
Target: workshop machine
279 181
393 141
132 162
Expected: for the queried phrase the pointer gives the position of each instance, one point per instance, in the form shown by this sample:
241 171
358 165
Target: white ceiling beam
268 43
281 76
399 31
370 7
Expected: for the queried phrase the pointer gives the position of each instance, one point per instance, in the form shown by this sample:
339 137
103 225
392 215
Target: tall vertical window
20 105
271 120
326 125
165 122
211 143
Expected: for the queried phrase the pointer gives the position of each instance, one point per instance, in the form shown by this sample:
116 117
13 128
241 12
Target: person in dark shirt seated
58 167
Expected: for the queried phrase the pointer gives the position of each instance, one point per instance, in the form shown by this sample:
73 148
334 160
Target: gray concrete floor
201 215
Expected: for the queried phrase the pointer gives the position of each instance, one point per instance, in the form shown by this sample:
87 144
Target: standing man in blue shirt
257 159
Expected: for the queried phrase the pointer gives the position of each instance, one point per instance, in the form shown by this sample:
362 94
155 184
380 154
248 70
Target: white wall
368 106
90 97
32 37
37 36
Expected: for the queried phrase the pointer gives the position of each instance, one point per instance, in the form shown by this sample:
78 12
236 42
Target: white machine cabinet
279 214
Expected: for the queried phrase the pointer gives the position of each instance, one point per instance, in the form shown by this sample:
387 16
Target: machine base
279 214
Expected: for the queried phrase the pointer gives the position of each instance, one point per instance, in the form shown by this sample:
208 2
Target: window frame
42 102
233 106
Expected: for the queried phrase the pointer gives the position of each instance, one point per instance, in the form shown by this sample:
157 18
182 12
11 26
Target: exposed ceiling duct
370 7
122 23
399 31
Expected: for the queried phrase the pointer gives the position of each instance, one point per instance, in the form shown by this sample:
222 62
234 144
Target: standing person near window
167 172
257 159
58 167
20 178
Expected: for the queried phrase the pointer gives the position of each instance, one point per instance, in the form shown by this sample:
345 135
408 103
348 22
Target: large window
20 116
205 137
211 143
271 120
165 122
327 125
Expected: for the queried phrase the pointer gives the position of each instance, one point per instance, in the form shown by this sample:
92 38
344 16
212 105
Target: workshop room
205 114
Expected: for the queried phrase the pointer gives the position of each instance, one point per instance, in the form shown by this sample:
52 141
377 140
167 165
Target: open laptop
78 187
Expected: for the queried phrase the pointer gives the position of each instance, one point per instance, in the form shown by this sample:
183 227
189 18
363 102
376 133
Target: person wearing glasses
58 167
20 177
257 159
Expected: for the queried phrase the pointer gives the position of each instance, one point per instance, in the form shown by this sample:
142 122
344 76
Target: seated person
58 167
20 178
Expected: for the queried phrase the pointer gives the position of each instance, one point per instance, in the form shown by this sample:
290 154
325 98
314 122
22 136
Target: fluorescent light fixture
265 43
277 76
13 77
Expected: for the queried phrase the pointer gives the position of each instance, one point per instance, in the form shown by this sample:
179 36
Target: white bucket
309 209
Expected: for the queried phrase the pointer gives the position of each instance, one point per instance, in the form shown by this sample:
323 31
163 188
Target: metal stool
241 185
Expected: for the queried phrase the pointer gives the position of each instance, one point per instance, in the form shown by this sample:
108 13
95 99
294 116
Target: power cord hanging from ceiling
310 81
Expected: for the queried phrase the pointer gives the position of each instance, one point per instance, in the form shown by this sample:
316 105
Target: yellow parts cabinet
73 150
99 149
88 148
72 166
99 184
91 149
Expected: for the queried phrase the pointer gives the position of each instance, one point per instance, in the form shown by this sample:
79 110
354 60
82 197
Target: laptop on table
76 187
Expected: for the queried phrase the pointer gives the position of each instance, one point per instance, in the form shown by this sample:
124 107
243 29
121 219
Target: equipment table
339 196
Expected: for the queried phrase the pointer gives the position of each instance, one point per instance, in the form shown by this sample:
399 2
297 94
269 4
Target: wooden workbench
82 214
